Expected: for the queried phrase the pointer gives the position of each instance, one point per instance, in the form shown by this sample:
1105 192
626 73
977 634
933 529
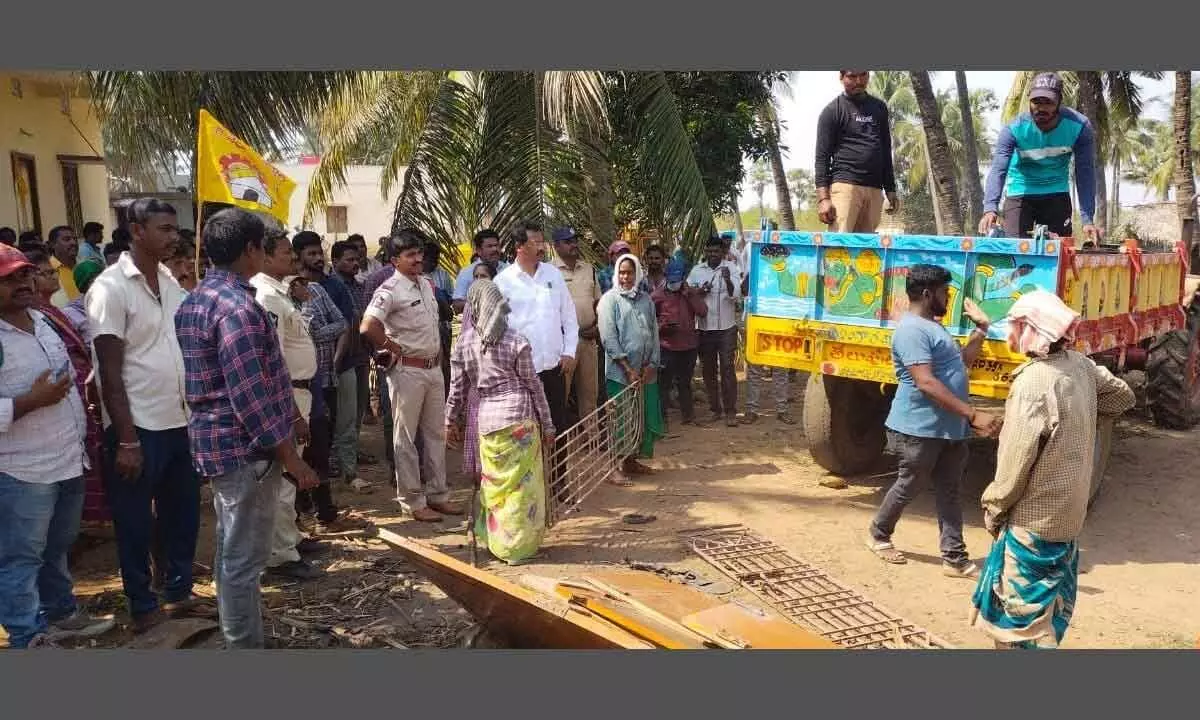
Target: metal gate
590 452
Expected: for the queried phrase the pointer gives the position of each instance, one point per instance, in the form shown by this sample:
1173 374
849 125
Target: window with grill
70 178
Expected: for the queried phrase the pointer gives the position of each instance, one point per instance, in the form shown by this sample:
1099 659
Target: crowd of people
131 373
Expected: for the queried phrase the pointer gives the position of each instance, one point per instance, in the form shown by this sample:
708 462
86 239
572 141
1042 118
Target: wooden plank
672 599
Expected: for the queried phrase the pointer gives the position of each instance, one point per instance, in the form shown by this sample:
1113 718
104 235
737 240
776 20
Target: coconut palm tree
972 188
800 187
496 147
1154 159
1126 144
1185 181
150 118
768 118
941 162
759 177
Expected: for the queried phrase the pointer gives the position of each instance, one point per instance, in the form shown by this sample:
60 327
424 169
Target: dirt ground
1140 547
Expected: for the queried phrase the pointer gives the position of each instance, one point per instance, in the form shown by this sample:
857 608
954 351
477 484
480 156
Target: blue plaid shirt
236 384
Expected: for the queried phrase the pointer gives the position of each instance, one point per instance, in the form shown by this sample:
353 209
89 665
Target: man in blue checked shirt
1032 167
243 423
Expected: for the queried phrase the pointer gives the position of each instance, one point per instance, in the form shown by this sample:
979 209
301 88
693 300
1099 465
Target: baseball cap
562 234
674 271
12 260
1047 86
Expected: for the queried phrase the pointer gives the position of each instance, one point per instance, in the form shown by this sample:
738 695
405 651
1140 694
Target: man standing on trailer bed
854 159
1032 166
931 416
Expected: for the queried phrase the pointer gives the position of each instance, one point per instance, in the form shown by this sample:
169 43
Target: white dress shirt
722 308
119 303
542 311
299 352
46 445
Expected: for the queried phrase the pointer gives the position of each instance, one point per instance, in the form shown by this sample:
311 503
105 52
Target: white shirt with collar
542 311
119 303
299 352
722 306
47 445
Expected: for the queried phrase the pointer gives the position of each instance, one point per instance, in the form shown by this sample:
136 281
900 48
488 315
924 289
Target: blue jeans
38 524
170 484
244 501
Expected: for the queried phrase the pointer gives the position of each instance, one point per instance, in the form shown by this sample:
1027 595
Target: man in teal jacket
1032 167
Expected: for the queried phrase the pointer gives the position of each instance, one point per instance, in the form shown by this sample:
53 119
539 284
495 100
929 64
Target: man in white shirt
271 290
42 458
131 307
542 311
720 281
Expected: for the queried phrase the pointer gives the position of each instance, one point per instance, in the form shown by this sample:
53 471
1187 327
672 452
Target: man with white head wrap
1036 505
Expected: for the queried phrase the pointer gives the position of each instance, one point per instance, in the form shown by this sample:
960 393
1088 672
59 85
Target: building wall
368 213
34 124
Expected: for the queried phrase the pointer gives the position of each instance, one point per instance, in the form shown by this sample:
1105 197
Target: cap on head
562 234
12 260
674 271
1046 86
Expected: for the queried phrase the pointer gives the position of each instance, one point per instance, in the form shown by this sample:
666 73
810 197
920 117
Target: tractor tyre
1101 455
1173 377
844 423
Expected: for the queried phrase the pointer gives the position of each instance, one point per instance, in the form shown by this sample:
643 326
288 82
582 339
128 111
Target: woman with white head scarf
629 334
1036 505
513 423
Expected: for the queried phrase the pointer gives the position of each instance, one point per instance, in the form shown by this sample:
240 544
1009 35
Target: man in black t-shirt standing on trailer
854 159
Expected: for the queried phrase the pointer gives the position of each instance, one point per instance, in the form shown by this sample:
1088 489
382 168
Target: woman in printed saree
1036 505
629 334
513 420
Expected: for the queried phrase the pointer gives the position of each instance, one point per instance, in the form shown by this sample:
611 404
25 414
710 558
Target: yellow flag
229 171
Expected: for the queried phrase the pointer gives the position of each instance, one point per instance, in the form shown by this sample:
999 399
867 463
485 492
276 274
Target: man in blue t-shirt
931 415
1031 166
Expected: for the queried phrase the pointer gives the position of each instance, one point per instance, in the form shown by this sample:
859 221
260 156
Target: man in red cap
42 461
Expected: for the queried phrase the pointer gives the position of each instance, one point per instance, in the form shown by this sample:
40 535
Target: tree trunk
1185 181
1114 208
1091 97
973 190
598 184
938 226
783 197
941 162
737 220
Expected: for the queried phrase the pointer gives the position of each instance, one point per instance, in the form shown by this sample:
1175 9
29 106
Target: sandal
619 480
886 551
637 519
633 467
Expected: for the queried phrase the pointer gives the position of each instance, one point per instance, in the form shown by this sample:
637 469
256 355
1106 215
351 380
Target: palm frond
667 161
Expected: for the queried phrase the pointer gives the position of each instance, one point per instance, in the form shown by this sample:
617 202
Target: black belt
302 384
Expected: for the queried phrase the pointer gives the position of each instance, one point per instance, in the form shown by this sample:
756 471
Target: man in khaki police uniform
300 355
580 277
402 320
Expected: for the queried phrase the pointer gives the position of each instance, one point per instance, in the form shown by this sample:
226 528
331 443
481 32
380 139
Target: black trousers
316 454
555 387
1022 213
678 368
716 364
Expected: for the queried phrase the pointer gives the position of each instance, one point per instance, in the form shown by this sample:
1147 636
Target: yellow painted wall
35 125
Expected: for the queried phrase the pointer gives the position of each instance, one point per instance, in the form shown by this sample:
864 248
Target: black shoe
296 570
311 546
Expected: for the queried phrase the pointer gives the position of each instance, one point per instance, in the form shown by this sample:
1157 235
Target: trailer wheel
1102 453
843 421
1173 377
